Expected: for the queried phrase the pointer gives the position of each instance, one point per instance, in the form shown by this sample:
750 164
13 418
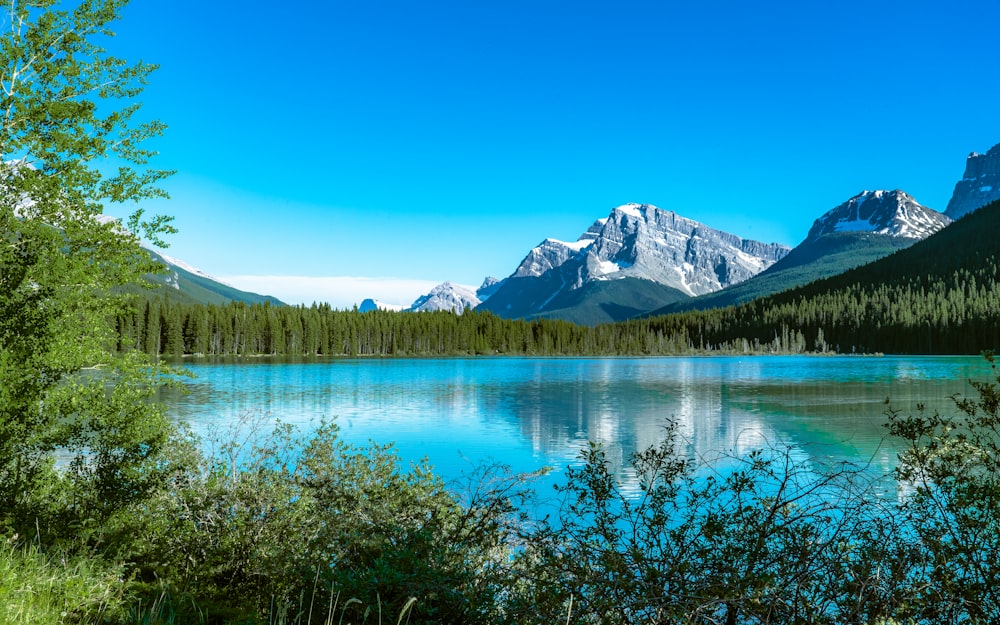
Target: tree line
939 296
926 314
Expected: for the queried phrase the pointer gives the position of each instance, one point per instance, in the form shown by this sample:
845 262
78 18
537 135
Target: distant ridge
455 297
188 285
868 226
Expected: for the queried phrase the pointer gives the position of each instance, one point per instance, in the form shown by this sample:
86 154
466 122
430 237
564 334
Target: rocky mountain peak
456 297
979 186
488 287
446 296
892 213
645 242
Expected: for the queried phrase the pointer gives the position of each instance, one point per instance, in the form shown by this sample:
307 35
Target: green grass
36 588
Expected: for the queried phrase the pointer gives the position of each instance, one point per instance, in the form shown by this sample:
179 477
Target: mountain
868 226
889 213
938 296
370 305
455 297
489 286
186 284
638 258
446 296
979 186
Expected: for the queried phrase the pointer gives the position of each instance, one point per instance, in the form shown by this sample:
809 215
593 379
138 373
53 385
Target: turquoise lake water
535 412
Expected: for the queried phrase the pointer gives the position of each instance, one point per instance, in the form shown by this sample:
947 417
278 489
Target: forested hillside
186 285
830 255
940 296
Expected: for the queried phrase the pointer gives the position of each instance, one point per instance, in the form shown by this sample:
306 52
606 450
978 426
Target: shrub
253 528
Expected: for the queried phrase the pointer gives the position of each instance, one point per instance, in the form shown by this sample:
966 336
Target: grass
37 588
165 610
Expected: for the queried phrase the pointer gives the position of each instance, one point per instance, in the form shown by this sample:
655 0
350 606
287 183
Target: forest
940 296
927 316
955 310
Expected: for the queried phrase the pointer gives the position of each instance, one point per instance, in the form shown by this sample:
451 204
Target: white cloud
341 292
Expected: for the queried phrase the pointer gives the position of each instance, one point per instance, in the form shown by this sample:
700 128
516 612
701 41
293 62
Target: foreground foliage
39 588
260 526
65 110
267 524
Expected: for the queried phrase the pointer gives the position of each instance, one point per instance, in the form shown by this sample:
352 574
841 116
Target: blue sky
331 151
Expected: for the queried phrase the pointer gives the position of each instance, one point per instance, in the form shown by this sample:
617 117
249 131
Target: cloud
342 292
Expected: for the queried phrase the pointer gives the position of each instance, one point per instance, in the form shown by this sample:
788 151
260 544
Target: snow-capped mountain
447 296
865 228
892 213
369 305
979 186
665 257
643 241
456 297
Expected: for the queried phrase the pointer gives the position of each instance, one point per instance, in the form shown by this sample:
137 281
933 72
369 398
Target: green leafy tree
950 471
70 144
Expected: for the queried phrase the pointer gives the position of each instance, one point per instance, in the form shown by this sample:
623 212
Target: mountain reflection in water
535 412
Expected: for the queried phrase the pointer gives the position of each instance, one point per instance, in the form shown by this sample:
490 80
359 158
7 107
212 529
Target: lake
535 412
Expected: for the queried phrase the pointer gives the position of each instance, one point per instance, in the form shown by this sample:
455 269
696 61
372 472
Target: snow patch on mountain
456 298
890 213
174 262
643 241
632 210
371 305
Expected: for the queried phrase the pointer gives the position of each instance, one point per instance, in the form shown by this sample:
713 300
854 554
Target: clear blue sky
441 140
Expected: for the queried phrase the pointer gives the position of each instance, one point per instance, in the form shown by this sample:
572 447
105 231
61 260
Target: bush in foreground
267 528
255 530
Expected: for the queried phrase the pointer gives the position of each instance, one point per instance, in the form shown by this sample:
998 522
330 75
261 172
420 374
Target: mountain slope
185 284
979 186
939 296
868 226
968 244
602 301
664 256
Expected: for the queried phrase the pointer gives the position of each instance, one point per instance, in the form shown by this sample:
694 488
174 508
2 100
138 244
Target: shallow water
535 412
